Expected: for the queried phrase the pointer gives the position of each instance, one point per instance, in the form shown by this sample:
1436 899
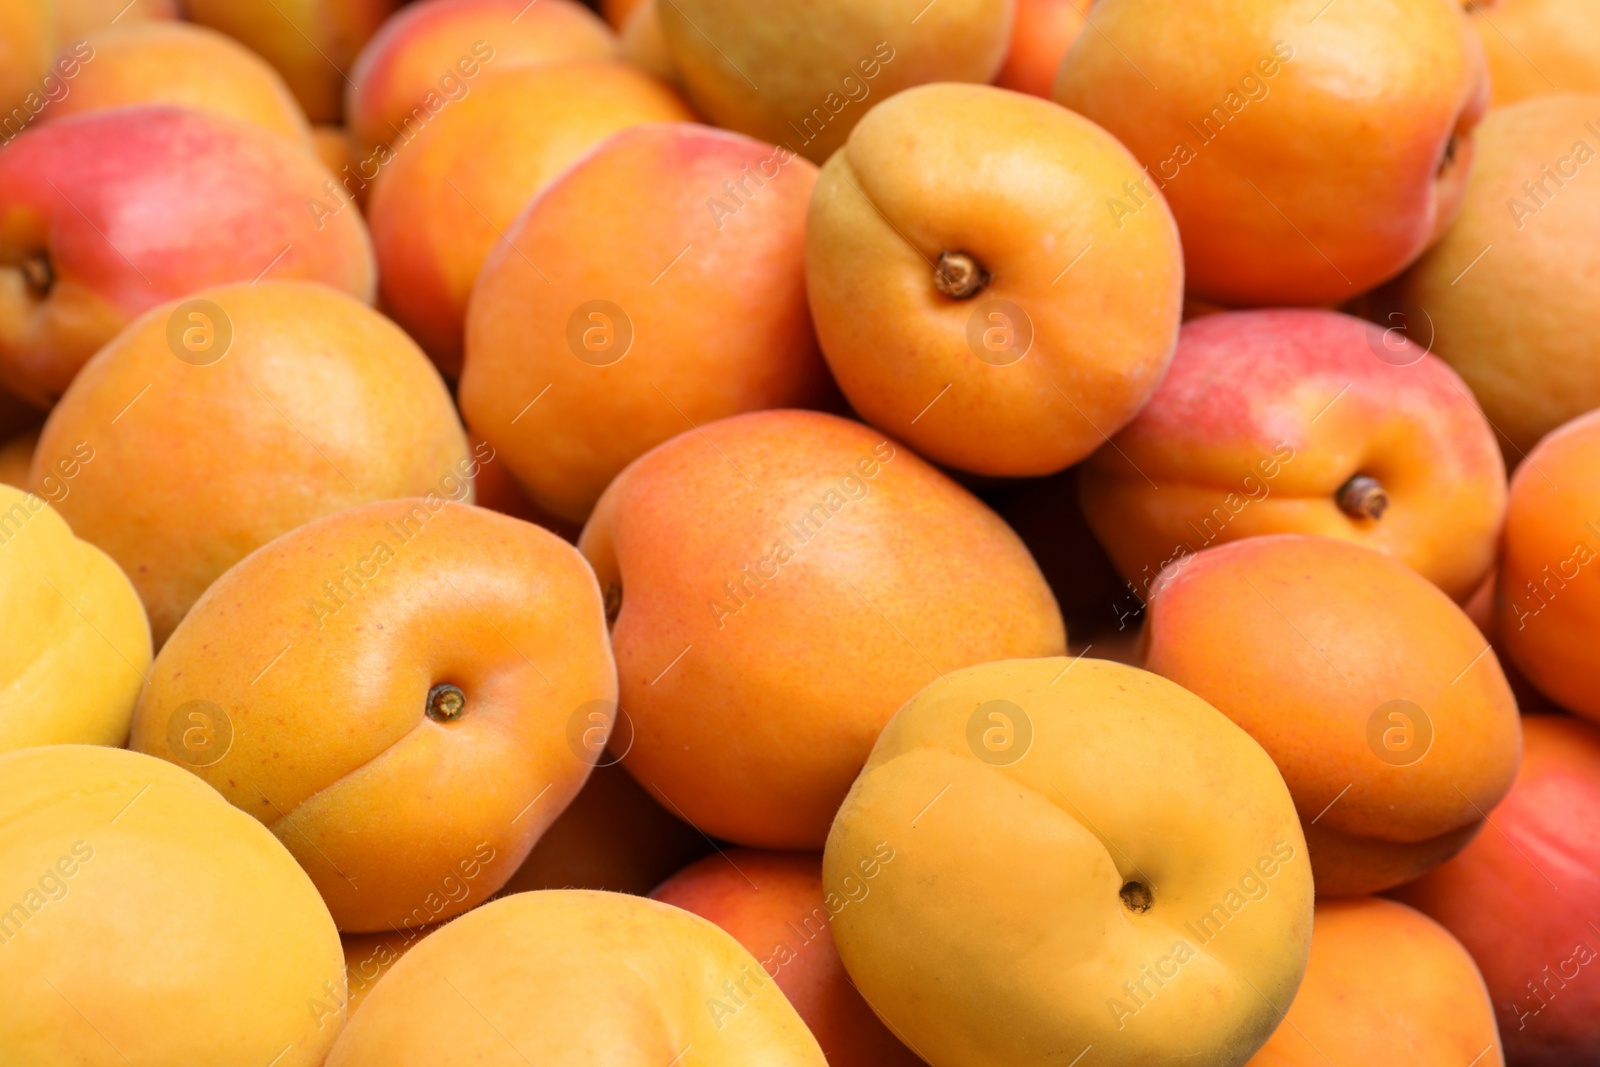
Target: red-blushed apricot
394 689
147 918
1307 155
1298 421
1536 47
181 65
219 422
974 296
774 905
1385 984
781 582
1507 293
431 54
802 73
312 43
572 979
614 835
1044 857
108 214
1523 895
447 195
1040 37
1382 704
656 286
1547 600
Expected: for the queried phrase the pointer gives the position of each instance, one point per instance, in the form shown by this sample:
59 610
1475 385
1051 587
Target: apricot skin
757 677
1307 156
1386 984
1378 698
1547 598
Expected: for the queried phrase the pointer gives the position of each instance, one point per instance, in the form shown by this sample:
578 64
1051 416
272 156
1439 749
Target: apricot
653 309
613 835
78 18
268 406
78 644
1044 856
145 917
180 64
1536 47
312 43
998 319
447 196
1547 610
644 44
111 213
435 782
1385 984
1299 421
570 978
1040 37
429 55
1522 898
1307 155
801 73
1382 704
760 645
617 12
773 904
1505 293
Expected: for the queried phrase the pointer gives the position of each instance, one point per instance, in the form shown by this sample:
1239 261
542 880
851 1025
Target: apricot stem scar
446 702
39 275
1136 896
958 275
1363 497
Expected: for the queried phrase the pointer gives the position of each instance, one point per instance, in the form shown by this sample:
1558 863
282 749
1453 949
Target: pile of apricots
715 533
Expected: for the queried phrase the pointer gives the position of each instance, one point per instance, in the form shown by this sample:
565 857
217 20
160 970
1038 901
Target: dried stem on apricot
446 703
958 275
1363 497
1136 896
39 275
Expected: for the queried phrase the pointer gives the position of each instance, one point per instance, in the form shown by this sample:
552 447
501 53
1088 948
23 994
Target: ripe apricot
781 582
1386 984
1537 47
78 644
1308 154
1382 704
145 917
391 690
995 316
1299 421
1547 609
572 978
446 194
1080 849
1506 292
669 292
270 405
